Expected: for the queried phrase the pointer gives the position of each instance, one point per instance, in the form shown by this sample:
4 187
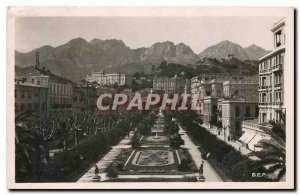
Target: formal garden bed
123 164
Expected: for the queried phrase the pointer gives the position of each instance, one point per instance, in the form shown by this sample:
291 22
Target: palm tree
272 154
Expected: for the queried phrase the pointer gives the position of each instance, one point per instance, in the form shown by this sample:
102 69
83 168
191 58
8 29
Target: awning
247 137
256 139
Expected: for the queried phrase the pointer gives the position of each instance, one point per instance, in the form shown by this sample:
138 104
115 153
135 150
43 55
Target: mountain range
78 57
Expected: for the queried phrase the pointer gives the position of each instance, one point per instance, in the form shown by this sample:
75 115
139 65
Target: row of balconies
270 103
265 87
273 68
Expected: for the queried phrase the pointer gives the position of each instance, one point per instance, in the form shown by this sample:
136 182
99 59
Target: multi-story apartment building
109 78
270 90
31 95
175 85
271 69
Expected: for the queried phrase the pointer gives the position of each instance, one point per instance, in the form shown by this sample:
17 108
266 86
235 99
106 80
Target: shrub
190 179
229 161
111 173
184 165
176 141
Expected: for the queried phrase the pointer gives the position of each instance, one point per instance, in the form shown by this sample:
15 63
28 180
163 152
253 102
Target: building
208 77
109 78
271 82
31 95
246 89
209 110
175 85
84 97
234 112
60 90
271 91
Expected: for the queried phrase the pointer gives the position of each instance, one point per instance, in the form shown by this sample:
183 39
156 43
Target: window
264 97
263 81
22 107
29 94
16 107
36 106
237 111
29 107
256 111
23 94
237 126
247 111
264 117
278 38
16 93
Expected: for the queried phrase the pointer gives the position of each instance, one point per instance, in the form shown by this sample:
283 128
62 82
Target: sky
196 32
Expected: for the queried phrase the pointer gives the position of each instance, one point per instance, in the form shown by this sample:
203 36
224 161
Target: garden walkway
243 150
209 173
106 160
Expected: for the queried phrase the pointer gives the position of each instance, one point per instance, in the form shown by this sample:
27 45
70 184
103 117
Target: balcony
279 103
249 125
264 103
264 71
256 127
277 85
277 67
263 87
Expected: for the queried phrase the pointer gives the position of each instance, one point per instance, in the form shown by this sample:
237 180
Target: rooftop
34 71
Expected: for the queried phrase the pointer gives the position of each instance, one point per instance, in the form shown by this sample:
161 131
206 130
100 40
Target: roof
278 24
29 85
33 71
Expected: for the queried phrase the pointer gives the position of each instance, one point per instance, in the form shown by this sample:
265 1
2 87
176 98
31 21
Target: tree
135 142
272 154
176 141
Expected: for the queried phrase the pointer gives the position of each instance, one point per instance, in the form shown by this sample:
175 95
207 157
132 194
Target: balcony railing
264 71
263 87
277 67
249 125
263 103
278 85
256 127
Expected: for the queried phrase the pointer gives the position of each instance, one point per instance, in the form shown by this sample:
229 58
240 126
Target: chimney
37 59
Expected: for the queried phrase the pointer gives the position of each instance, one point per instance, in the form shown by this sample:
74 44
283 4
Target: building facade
175 85
196 81
31 95
246 89
109 78
234 112
84 98
271 82
59 89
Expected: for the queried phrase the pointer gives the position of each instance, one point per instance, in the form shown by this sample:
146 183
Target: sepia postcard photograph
150 98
